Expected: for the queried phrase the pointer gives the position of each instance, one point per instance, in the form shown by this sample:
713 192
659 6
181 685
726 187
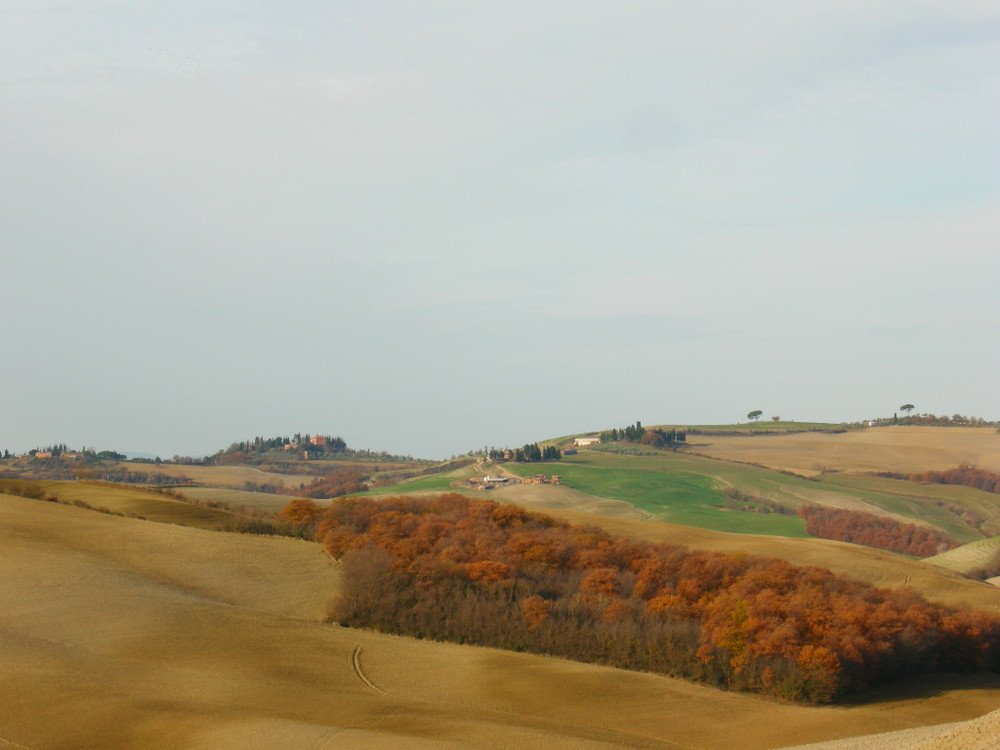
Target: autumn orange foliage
301 513
965 474
340 481
474 571
874 531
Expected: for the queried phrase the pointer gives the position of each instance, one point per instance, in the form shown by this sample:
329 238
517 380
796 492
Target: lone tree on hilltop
755 414
907 408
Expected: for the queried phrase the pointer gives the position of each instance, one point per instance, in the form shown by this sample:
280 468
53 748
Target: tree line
474 571
871 530
527 453
121 475
262 446
636 433
964 474
343 480
933 420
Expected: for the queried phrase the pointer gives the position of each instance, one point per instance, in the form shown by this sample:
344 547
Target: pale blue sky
433 226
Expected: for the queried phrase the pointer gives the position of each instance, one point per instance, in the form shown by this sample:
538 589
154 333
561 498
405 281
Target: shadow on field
915 689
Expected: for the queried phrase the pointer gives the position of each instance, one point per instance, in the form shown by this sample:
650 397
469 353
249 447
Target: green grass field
422 484
686 489
920 502
672 495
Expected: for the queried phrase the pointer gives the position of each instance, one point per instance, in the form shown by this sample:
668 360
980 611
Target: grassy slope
130 501
904 500
668 494
684 488
441 482
121 634
919 502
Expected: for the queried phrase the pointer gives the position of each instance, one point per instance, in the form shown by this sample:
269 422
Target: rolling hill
686 486
165 632
120 633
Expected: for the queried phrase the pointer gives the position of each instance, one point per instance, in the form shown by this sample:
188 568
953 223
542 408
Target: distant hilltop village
62 452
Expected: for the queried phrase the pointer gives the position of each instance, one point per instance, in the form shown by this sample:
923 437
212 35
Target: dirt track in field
900 449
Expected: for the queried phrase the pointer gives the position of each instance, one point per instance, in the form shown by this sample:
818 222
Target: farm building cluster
487 482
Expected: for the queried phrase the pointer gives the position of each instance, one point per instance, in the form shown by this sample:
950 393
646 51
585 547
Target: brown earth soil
898 449
121 633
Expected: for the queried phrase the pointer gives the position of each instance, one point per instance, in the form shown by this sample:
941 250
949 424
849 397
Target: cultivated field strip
899 449
968 556
235 477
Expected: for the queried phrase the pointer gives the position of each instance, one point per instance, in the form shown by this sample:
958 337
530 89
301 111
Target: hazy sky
433 226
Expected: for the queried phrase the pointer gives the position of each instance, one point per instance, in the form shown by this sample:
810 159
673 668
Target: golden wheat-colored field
548 496
224 476
261 501
903 449
963 559
121 633
129 501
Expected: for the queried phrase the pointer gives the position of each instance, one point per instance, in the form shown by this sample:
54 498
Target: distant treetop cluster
298 442
61 450
932 420
297 447
527 453
636 433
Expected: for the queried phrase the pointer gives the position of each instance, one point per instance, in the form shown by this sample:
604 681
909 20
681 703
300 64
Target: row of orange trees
965 474
472 571
858 527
